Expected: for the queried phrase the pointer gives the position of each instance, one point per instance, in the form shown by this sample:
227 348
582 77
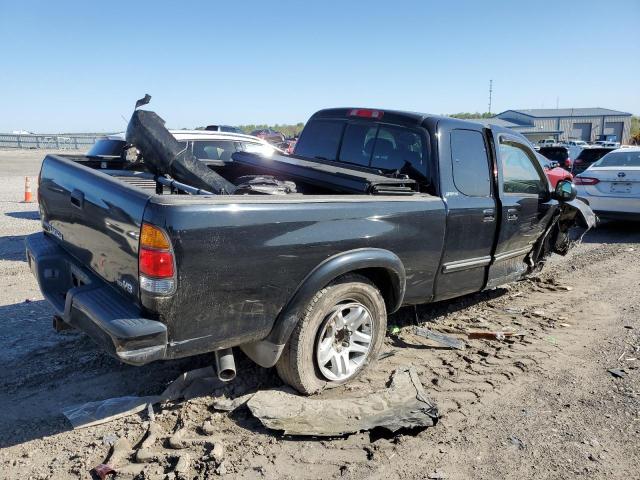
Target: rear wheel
340 334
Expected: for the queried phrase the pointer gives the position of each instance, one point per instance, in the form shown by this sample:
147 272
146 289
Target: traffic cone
27 190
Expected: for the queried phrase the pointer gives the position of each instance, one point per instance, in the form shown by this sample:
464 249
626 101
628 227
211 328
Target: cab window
470 163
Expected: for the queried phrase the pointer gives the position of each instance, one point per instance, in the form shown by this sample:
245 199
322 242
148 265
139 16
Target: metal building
588 124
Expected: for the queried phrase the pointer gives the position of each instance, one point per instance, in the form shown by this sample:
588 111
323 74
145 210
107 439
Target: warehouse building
588 124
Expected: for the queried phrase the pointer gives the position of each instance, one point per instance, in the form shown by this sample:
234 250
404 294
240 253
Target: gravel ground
543 406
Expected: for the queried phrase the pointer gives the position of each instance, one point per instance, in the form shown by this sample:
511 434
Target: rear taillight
567 162
585 180
155 261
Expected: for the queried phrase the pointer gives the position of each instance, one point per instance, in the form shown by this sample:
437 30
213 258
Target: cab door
525 205
468 190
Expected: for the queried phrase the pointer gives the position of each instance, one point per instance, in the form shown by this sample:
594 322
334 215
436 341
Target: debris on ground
103 470
441 338
617 372
102 411
120 450
404 404
226 404
494 335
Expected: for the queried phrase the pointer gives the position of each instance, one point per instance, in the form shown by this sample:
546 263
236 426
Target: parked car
223 128
269 135
607 144
547 142
553 171
577 143
611 186
213 148
558 154
378 213
586 157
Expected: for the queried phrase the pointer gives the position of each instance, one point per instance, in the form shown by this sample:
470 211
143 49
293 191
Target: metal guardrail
48 142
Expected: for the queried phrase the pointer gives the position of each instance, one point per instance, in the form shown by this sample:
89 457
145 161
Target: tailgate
95 218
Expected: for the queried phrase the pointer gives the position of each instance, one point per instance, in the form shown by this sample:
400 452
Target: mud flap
571 221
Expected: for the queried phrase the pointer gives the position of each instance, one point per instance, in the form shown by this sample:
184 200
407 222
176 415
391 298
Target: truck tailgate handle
77 198
488 215
512 214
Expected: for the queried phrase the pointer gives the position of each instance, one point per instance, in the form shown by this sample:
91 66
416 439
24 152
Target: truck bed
239 258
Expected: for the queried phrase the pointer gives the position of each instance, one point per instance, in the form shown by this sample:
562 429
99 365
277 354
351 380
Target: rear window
107 148
619 159
592 154
555 153
320 139
387 148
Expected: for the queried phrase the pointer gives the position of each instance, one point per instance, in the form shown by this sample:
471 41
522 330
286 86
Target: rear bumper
85 301
606 206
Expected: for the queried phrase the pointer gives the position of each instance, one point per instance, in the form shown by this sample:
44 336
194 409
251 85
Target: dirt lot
541 407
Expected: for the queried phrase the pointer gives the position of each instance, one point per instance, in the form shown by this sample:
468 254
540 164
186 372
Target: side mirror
565 191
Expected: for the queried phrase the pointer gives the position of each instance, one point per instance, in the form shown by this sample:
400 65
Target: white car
611 186
213 148
577 143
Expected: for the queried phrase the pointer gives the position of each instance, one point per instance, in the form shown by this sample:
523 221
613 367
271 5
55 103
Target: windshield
619 159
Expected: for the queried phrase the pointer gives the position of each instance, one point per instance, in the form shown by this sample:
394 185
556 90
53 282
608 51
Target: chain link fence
49 142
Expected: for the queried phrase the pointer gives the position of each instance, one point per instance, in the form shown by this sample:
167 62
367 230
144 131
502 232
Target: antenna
490 94
557 102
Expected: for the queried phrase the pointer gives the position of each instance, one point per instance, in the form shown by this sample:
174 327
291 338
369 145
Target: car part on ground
403 405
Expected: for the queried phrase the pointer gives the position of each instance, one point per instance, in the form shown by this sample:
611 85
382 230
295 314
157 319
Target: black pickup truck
381 209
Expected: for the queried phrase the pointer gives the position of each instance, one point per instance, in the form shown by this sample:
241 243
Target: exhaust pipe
225 364
59 325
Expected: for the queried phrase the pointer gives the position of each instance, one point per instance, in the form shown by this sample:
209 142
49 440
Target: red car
553 171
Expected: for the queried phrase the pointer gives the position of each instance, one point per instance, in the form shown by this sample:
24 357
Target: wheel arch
382 267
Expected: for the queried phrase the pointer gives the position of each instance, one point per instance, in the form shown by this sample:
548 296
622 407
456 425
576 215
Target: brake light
366 113
155 261
567 162
585 180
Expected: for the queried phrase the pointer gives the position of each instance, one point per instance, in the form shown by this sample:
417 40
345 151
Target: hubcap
345 341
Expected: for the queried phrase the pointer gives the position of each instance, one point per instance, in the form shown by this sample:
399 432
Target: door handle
77 198
512 214
488 215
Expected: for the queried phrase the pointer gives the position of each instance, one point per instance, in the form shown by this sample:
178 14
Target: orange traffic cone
27 190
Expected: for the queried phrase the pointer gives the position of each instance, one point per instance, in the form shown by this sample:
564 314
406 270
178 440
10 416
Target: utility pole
557 102
490 93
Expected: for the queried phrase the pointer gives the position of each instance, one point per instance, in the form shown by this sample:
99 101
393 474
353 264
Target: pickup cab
381 209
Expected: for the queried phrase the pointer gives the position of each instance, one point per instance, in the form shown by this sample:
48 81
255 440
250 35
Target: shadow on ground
614 231
12 248
30 215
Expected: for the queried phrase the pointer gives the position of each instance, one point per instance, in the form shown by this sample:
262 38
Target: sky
80 66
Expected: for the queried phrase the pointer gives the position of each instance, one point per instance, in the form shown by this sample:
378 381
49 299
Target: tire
326 329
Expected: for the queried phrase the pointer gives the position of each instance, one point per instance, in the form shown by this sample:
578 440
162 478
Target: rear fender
266 352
